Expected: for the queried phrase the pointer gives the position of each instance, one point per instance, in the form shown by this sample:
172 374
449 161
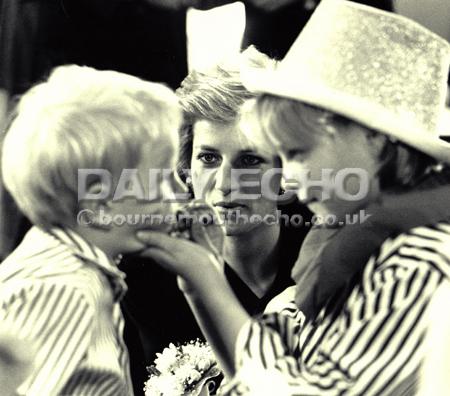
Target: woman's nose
223 181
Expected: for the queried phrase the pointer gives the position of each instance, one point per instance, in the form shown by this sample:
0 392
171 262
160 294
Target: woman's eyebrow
207 148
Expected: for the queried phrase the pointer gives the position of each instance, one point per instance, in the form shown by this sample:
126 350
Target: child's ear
95 211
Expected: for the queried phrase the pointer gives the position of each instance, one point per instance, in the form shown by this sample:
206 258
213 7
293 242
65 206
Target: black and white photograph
217 197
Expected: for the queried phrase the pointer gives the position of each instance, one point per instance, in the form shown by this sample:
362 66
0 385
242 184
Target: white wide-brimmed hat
381 69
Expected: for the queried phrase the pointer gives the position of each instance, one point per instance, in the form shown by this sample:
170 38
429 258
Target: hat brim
398 126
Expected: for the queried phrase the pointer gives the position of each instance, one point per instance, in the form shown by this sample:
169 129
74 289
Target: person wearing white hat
358 97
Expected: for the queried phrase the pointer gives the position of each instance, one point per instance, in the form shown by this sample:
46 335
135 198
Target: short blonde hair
402 166
81 118
217 95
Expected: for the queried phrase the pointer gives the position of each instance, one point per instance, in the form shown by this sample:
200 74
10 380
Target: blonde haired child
60 289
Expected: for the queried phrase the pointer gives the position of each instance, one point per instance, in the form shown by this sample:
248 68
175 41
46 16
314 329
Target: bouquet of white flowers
183 370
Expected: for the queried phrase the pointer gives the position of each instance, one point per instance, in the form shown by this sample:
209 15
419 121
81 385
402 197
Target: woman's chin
233 229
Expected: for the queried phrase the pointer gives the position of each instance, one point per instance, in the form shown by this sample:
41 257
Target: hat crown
380 59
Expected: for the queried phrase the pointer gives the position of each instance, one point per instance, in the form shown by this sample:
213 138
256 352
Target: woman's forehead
225 136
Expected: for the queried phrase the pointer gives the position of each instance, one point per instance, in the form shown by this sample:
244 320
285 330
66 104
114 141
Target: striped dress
61 295
373 346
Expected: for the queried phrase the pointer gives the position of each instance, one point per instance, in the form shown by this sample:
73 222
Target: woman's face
347 156
220 152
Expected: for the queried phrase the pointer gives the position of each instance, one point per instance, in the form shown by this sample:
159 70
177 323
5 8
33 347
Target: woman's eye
208 158
251 160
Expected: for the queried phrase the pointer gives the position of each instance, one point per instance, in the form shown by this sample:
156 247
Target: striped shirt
61 295
373 346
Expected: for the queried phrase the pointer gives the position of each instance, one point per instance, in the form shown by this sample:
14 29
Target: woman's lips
228 205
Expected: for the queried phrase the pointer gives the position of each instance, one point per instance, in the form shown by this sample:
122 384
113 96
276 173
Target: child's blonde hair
81 118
